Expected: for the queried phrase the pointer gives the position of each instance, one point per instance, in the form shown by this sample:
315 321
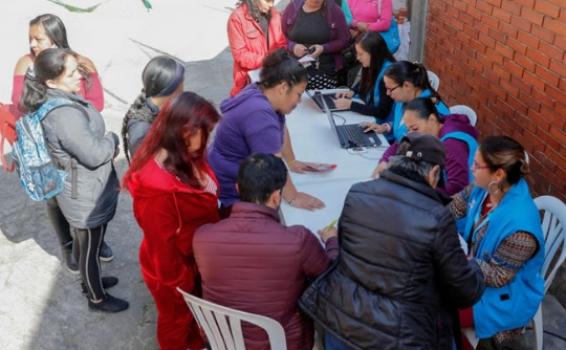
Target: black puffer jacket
401 272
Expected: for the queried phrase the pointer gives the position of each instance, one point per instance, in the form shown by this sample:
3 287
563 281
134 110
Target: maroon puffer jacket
251 262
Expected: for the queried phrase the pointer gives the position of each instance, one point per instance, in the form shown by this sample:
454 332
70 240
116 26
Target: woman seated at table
503 230
317 28
254 122
163 79
404 81
254 29
48 31
457 135
370 16
374 56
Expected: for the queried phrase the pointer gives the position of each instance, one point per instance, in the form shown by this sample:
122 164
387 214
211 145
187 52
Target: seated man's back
250 262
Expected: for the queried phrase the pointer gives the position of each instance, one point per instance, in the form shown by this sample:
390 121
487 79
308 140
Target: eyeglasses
476 166
390 90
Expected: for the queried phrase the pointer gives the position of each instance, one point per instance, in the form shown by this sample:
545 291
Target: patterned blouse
509 257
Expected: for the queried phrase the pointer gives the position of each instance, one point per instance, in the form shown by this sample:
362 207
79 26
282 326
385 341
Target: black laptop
351 135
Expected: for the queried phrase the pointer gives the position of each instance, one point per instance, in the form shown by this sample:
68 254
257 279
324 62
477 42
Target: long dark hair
161 77
415 73
54 29
49 64
279 66
375 46
185 115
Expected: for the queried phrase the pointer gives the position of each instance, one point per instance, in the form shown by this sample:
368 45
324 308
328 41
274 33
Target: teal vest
470 141
399 130
515 304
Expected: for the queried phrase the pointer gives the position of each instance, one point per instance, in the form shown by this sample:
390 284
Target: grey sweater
77 141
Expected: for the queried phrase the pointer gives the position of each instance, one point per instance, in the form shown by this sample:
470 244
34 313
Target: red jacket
169 212
248 43
251 262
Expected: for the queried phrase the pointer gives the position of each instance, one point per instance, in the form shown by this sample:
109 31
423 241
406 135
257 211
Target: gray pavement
41 306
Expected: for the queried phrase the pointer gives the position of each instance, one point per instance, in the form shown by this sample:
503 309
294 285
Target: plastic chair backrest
554 230
433 79
467 111
223 326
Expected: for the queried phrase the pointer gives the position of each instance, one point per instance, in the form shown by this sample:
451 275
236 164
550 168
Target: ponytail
415 73
48 65
132 113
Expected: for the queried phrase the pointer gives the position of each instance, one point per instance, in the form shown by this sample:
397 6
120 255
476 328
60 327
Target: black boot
109 304
107 282
68 258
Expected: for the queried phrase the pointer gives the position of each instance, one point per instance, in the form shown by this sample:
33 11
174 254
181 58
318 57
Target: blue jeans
333 343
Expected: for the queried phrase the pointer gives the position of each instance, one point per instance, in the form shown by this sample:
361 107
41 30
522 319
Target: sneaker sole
106 258
73 272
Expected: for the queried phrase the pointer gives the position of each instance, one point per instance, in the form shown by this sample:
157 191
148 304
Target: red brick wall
507 60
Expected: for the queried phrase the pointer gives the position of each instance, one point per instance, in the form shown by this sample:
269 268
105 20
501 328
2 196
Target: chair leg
538 329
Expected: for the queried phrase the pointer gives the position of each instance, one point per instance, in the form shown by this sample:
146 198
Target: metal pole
419 12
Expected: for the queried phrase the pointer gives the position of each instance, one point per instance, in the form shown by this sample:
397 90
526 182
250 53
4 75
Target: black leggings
60 224
85 246
86 250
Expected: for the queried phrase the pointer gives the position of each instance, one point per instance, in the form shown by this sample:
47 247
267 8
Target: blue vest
398 130
515 304
470 142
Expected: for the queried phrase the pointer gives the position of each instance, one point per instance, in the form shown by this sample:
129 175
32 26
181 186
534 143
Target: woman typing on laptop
374 56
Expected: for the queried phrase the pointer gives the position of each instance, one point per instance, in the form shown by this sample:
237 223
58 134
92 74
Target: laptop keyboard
356 134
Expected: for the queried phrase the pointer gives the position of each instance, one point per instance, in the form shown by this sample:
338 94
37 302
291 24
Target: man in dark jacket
401 272
253 263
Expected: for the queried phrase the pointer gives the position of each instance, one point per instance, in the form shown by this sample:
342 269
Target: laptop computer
320 98
351 135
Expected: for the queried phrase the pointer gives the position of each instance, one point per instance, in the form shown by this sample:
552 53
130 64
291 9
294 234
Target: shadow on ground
64 321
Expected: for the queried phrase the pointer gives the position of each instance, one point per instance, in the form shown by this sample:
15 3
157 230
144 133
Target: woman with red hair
174 192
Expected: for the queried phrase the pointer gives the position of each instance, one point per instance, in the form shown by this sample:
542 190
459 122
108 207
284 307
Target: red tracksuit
168 211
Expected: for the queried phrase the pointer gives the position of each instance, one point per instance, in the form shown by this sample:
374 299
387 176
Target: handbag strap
379 2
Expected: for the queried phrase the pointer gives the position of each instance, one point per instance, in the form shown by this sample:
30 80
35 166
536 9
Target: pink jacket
248 43
368 11
251 262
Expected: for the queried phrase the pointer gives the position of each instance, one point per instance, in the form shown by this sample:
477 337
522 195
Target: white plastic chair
223 326
554 231
433 79
467 111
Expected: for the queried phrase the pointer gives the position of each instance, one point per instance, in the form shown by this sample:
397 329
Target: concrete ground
41 306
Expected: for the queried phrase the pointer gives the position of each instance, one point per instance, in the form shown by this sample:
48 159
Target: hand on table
299 167
306 201
379 169
345 94
378 128
343 103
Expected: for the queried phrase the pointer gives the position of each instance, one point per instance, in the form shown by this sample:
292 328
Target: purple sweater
339 34
457 169
249 125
